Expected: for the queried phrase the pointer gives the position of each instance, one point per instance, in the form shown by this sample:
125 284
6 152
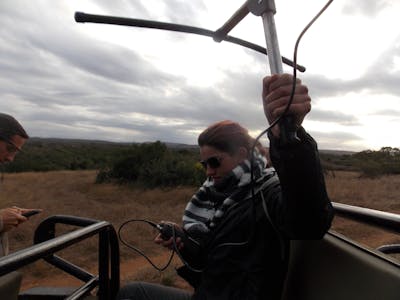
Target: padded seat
10 285
335 268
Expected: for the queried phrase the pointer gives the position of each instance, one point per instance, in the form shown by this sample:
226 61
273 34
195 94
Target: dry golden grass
381 194
75 193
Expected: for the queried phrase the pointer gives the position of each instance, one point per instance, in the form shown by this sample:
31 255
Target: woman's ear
243 153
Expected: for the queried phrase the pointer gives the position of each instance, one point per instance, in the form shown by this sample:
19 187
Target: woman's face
212 157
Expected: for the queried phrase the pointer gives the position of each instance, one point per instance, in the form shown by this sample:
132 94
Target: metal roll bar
46 244
102 19
384 220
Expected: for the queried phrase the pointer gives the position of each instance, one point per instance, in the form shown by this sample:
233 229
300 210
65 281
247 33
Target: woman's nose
210 171
10 157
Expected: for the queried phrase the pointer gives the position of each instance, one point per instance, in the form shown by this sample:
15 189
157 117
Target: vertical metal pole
266 9
271 37
104 259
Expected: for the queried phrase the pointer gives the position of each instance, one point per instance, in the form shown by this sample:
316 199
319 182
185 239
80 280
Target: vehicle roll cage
46 244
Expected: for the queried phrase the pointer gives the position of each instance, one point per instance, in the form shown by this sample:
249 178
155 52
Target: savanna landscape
89 193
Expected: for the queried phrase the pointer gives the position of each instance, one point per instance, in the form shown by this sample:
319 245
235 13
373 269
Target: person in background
12 139
243 225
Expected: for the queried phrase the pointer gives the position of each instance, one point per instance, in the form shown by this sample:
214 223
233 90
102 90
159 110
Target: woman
244 223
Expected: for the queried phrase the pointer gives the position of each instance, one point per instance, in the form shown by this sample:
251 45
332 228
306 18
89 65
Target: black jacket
246 255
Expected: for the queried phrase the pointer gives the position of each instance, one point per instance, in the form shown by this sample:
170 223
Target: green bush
152 165
377 163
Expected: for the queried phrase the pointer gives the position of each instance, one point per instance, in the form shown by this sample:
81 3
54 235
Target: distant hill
336 152
34 140
46 154
64 141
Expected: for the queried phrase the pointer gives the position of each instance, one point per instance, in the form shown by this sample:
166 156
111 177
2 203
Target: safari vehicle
333 268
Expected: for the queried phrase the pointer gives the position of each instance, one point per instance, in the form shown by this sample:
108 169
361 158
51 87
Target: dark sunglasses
213 162
11 147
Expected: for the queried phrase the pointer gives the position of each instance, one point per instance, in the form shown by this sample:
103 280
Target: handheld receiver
191 246
31 213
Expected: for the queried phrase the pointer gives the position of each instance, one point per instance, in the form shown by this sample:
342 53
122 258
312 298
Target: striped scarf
208 206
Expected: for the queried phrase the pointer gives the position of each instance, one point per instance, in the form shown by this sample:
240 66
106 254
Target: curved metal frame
384 220
46 244
91 18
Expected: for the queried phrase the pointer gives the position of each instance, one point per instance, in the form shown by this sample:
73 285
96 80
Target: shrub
152 165
376 163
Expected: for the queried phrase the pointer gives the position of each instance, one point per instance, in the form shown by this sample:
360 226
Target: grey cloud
106 60
67 84
367 7
337 140
123 8
333 117
186 14
380 78
62 42
388 113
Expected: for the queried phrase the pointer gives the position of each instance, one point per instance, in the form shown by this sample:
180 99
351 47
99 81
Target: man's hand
11 218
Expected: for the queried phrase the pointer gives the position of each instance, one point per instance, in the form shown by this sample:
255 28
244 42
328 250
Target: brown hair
228 136
9 126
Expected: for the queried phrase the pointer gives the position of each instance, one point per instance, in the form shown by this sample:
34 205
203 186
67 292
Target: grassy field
74 193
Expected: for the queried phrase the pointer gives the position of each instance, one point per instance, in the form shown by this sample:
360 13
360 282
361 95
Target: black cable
251 167
175 246
178 252
138 250
277 120
271 126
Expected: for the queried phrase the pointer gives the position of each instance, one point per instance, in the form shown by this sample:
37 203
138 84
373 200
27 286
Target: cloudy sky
72 80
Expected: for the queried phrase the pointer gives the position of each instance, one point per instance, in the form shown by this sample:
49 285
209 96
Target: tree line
156 164
146 164
368 163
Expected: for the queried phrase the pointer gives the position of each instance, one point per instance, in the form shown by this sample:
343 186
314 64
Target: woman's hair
228 136
9 127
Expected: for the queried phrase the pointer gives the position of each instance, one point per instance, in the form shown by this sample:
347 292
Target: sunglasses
213 162
11 147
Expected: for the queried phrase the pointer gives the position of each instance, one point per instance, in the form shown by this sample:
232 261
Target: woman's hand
170 242
276 93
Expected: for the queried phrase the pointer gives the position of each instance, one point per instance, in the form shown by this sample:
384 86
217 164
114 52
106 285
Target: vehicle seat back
10 285
335 268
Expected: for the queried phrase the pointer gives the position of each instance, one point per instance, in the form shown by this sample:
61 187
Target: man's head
12 137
